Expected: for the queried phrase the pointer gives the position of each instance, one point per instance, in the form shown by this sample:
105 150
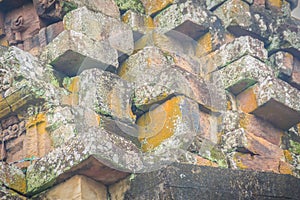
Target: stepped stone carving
130 99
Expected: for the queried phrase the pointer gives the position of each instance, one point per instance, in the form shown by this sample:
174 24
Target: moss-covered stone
134 5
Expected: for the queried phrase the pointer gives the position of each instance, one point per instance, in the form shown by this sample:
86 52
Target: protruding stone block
12 177
165 124
106 94
244 73
274 101
107 7
70 57
191 20
231 52
77 187
102 28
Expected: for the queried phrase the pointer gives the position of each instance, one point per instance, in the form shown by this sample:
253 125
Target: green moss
68 6
134 5
295 147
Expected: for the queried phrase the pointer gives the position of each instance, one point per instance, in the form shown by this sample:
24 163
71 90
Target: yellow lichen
159 124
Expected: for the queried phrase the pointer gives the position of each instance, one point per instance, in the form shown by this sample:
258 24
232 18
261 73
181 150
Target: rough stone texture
244 73
172 123
231 52
135 5
107 7
12 177
106 94
105 28
189 182
273 100
192 20
70 57
199 83
77 187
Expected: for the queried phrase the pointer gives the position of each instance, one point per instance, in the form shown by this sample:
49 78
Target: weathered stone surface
12 177
84 154
106 94
107 7
9 194
172 123
283 63
244 73
104 28
21 24
190 182
234 12
274 101
231 52
191 20
153 7
77 187
246 142
25 81
135 5
139 23
53 11
70 57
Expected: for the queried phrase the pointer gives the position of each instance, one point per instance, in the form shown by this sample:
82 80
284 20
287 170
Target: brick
68 57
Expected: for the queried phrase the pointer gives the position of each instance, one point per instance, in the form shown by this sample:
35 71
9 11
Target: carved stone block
21 24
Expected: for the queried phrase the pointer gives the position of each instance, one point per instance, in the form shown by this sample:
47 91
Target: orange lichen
204 45
247 100
73 87
285 168
238 160
288 156
274 3
159 124
155 6
204 162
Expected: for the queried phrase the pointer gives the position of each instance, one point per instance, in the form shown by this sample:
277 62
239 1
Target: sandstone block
234 12
160 126
274 101
245 142
84 154
78 187
153 7
139 23
106 94
102 28
70 57
191 20
12 177
231 52
243 73
107 7
180 181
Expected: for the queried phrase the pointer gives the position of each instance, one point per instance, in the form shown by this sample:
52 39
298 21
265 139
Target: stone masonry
149 99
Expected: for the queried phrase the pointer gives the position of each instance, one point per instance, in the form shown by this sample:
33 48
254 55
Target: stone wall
141 99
